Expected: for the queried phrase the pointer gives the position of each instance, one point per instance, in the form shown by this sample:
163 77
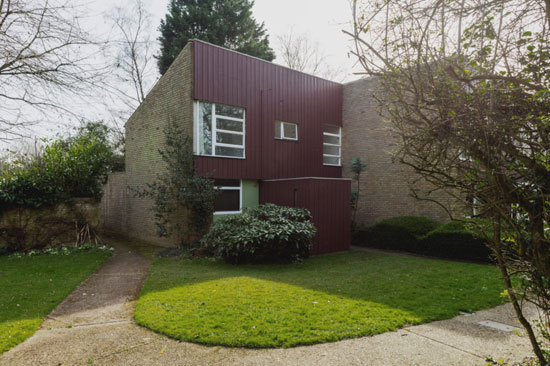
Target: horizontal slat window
332 145
226 124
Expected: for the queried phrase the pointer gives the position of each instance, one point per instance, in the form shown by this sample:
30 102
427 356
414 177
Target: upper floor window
219 130
286 130
332 145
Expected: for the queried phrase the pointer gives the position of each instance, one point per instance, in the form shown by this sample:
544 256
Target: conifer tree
226 23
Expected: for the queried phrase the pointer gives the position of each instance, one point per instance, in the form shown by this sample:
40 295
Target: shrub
396 233
267 233
179 188
453 240
67 167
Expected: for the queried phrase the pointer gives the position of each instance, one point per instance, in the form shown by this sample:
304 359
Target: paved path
94 326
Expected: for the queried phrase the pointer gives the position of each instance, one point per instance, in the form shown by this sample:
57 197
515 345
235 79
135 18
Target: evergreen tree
226 23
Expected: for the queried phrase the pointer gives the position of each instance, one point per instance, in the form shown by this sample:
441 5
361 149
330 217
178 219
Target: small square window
286 130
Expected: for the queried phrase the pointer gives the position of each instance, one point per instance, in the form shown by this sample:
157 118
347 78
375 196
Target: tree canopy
466 90
226 23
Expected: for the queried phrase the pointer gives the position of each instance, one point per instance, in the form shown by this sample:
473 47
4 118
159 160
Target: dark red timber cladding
328 200
268 92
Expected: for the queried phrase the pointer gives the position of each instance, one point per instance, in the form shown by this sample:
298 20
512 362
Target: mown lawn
325 299
31 287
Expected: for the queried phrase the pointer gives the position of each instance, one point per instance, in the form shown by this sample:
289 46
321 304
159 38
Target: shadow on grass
327 298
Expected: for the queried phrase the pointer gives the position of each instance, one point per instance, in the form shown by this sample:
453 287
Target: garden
33 285
323 299
48 225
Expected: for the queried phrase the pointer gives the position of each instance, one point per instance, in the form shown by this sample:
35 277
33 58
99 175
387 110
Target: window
219 130
286 130
332 143
229 199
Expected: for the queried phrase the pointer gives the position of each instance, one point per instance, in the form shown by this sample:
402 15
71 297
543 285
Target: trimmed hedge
396 233
424 236
452 240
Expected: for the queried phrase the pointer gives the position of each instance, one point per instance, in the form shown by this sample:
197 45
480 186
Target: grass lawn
31 287
325 299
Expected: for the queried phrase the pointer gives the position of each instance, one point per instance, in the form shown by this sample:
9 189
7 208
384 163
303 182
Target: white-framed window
332 145
286 131
230 197
219 130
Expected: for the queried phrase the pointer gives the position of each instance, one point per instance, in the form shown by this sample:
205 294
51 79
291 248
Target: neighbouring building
265 133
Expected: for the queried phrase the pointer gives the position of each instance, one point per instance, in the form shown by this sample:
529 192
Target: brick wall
384 190
171 99
113 204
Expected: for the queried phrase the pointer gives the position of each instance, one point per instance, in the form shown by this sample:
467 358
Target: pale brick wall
170 100
385 190
113 204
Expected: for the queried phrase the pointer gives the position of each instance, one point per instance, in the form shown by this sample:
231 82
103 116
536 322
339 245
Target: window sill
338 166
228 212
221 156
281 139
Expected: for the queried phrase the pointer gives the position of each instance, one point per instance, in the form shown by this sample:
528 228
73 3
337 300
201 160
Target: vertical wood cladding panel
268 92
328 200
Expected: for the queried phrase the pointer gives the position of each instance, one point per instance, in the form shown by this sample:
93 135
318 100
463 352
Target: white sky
321 20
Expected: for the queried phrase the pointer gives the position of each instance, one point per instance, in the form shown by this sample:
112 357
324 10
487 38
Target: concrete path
94 326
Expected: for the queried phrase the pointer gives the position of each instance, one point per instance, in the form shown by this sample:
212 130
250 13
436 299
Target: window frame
232 188
282 130
215 130
339 135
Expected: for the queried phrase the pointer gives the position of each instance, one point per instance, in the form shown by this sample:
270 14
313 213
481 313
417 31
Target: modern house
265 133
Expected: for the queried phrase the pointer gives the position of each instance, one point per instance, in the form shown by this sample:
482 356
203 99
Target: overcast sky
321 20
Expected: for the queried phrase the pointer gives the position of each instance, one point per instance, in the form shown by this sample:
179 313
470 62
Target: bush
67 167
453 240
396 233
424 236
267 233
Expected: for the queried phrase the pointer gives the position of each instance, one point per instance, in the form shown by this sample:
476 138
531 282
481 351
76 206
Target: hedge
424 236
396 233
452 240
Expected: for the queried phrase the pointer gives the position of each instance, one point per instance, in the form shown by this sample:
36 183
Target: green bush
424 236
267 233
396 233
453 240
67 167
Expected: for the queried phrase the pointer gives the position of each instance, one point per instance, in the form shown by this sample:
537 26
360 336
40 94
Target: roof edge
260 59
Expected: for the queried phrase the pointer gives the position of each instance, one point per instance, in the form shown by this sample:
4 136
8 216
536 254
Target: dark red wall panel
328 200
268 92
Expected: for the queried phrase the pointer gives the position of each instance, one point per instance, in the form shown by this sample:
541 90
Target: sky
321 20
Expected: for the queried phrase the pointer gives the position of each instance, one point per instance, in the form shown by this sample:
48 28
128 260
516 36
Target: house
266 133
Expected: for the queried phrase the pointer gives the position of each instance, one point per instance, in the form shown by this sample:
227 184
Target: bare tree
43 58
465 86
133 51
300 52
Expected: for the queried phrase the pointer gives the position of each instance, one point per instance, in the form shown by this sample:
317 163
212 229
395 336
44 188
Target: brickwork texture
385 188
171 99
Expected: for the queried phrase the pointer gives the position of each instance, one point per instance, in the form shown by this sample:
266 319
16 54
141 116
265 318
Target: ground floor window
229 201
